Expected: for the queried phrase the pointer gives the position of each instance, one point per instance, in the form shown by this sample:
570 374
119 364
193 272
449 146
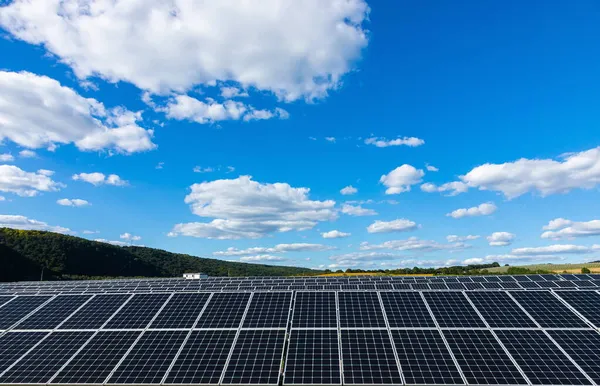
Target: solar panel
499 310
14 344
5 299
313 358
18 309
224 310
181 311
40 364
587 303
541 361
451 309
360 309
256 358
138 312
95 313
406 309
482 359
150 358
53 313
583 346
202 359
424 358
547 310
268 310
98 358
314 309
368 358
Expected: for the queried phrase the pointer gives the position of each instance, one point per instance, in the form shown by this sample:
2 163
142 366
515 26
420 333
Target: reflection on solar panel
583 347
451 309
256 358
541 361
40 364
268 309
424 358
138 312
98 358
224 310
587 303
50 316
150 358
499 310
95 313
15 344
547 310
368 358
360 309
202 359
313 358
181 311
19 308
482 359
406 309
314 309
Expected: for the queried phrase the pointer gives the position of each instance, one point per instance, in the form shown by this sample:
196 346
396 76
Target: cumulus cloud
26 184
561 228
484 209
455 238
511 258
129 237
500 239
398 225
349 190
280 248
98 179
556 249
7 157
113 242
37 111
454 188
413 244
357 210
232 92
243 208
22 222
72 202
250 259
400 179
330 139
431 168
27 154
334 234
557 223
405 141
263 45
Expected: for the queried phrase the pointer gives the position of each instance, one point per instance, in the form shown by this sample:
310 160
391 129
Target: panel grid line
387 326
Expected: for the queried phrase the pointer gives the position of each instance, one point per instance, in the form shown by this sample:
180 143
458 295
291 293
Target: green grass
558 268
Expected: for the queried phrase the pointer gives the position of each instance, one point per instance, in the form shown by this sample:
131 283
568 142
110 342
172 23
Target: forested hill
23 255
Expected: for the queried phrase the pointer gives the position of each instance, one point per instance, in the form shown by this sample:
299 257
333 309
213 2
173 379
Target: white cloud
405 141
200 169
2 198
262 258
22 222
500 239
265 45
6 157
545 176
349 190
556 249
357 210
243 208
113 242
230 169
510 258
484 209
26 184
431 168
557 223
334 234
88 232
455 238
37 111
232 92
280 248
455 188
129 237
400 179
561 228
398 225
413 244
98 179
160 165
330 139
27 154
44 172
72 202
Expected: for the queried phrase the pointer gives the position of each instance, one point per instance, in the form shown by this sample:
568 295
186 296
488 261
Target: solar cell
256 358
138 312
40 364
587 303
5 299
482 359
539 358
368 358
314 309
406 309
53 313
202 358
224 310
529 284
14 344
313 358
452 309
95 313
268 310
18 309
181 311
150 358
360 309
98 358
499 310
583 346
424 358
547 310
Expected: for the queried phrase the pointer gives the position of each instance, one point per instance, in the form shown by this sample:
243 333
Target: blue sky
468 131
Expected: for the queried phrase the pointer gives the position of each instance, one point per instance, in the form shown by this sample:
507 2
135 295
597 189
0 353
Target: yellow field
557 268
367 274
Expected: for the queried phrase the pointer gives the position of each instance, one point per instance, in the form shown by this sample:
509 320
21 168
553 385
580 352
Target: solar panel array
372 331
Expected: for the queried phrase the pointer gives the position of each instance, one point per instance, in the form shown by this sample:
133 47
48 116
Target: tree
585 270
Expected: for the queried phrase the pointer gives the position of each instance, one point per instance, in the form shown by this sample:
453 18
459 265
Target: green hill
24 254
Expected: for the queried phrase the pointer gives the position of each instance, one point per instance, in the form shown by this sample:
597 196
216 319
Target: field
557 268
367 274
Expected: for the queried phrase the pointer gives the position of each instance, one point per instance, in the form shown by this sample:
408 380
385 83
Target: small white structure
195 276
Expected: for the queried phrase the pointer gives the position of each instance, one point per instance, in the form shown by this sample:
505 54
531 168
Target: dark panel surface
181 311
583 347
138 312
18 309
451 309
547 310
360 309
14 344
499 310
314 309
268 310
587 303
406 309
313 358
225 310
95 313
53 313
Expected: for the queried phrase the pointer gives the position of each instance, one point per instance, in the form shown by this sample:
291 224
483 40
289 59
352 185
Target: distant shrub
585 270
